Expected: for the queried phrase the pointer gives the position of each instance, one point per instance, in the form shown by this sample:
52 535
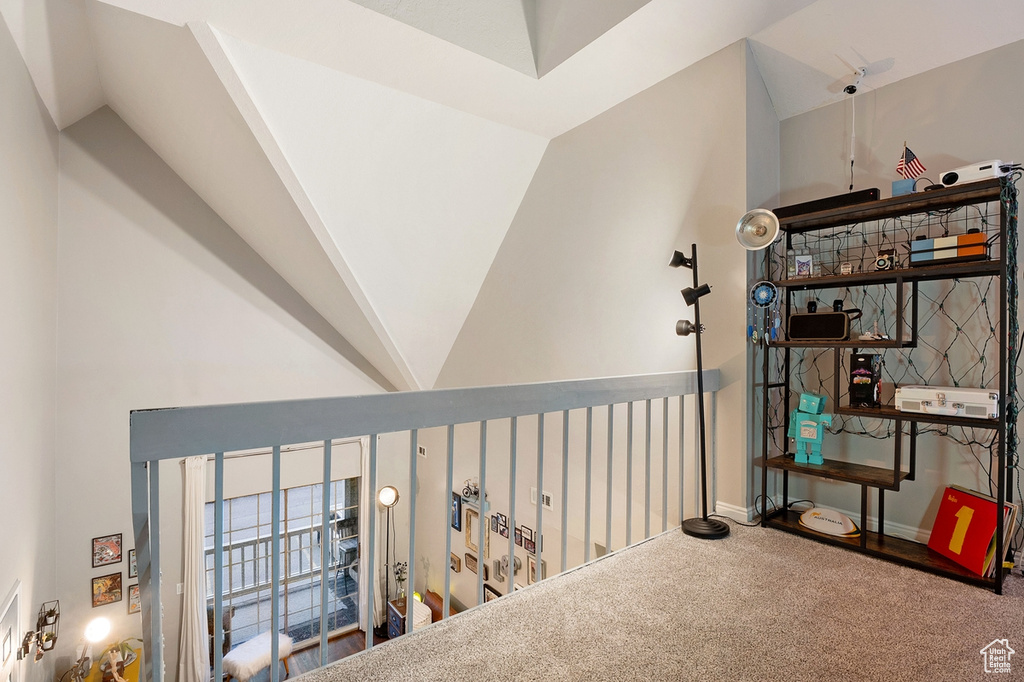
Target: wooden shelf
859 343
890 412
976 268
887 547
876 477
918 202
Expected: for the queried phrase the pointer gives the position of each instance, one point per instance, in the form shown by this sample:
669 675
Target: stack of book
965 528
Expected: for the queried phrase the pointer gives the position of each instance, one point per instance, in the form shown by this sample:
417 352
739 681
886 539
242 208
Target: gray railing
175 433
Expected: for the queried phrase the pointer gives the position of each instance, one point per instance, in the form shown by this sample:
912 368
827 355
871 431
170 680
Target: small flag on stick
909 165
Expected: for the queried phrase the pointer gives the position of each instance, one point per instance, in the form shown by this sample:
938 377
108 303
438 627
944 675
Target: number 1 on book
963 520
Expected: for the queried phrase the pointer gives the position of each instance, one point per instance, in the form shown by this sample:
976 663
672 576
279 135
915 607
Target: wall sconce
45 635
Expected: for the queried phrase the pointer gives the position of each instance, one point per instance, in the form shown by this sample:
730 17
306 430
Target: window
247 561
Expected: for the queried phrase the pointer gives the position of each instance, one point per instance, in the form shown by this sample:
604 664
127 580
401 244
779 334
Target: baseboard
741 514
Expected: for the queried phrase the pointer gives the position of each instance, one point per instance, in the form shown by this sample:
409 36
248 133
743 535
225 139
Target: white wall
951 116
160 304
28 308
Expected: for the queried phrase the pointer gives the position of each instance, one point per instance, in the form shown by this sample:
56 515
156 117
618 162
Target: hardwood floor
308 659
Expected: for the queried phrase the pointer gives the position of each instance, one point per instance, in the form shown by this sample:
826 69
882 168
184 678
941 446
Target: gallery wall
161 304
951 116
28 307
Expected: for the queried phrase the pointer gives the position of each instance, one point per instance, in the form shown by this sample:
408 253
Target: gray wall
951 116
160 304
581 285
28 308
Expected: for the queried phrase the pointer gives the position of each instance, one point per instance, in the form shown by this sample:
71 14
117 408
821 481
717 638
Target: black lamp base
381 632
709 529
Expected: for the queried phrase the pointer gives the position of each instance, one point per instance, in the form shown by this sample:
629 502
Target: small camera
885 260
850 89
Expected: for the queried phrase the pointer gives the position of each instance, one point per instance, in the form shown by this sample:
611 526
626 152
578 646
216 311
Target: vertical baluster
629 473
682 457
410 619
540 488
481 531
371 615
149 580
275 564
586 497
664 466
154 564
608 501
326 545
448 525
647 470
565 490
511 505
218 564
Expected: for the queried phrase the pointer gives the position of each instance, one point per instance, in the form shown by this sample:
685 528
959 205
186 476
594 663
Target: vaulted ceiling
374 152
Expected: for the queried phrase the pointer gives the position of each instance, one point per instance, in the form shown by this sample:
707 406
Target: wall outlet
181 588
547 498
421 450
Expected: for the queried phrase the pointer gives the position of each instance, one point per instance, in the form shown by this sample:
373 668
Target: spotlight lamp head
685 328
388 496
757 229
680 259
691 294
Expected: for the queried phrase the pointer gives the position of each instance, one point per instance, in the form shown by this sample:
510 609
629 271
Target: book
965 527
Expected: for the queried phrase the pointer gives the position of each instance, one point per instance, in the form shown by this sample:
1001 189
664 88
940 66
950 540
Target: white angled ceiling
374 152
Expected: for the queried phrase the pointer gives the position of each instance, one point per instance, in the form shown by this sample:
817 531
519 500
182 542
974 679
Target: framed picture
471 562
472 518
527 534
502 520
133 569
503 530
531 570
519 536
134 599
455 563
106 550
529 546
456 511
490 594
494 524
804 265
106 589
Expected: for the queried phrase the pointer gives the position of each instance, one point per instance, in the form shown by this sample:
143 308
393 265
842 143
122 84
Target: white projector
984 170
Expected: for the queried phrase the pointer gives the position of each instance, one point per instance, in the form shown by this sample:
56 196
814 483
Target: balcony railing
601 449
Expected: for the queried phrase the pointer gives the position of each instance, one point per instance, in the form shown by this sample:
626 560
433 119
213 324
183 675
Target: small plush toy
807 426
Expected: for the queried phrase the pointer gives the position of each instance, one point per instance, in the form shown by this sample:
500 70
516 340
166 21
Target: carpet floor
760 604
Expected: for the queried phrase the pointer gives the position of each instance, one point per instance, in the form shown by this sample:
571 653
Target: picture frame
133 568
457 511
519 537
471 562
472 518
804 265
494 524
529 546
502 519
134 599
455 563
527 534
106 589
106 550
503 531
490 594
531 570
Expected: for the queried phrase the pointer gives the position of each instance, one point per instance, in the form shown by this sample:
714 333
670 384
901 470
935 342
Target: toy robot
807 426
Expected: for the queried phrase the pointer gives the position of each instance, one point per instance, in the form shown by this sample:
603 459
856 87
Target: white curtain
368 506
194 647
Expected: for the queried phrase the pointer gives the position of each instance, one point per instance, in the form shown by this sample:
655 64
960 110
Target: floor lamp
388 498
702 526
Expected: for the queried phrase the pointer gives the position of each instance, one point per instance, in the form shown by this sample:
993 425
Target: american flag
909 165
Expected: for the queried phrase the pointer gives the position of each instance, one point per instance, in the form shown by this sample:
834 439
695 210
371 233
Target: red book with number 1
964 528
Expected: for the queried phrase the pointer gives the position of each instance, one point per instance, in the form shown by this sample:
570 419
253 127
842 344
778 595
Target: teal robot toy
807 426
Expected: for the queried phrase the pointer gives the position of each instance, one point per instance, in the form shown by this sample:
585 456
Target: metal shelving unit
849 220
